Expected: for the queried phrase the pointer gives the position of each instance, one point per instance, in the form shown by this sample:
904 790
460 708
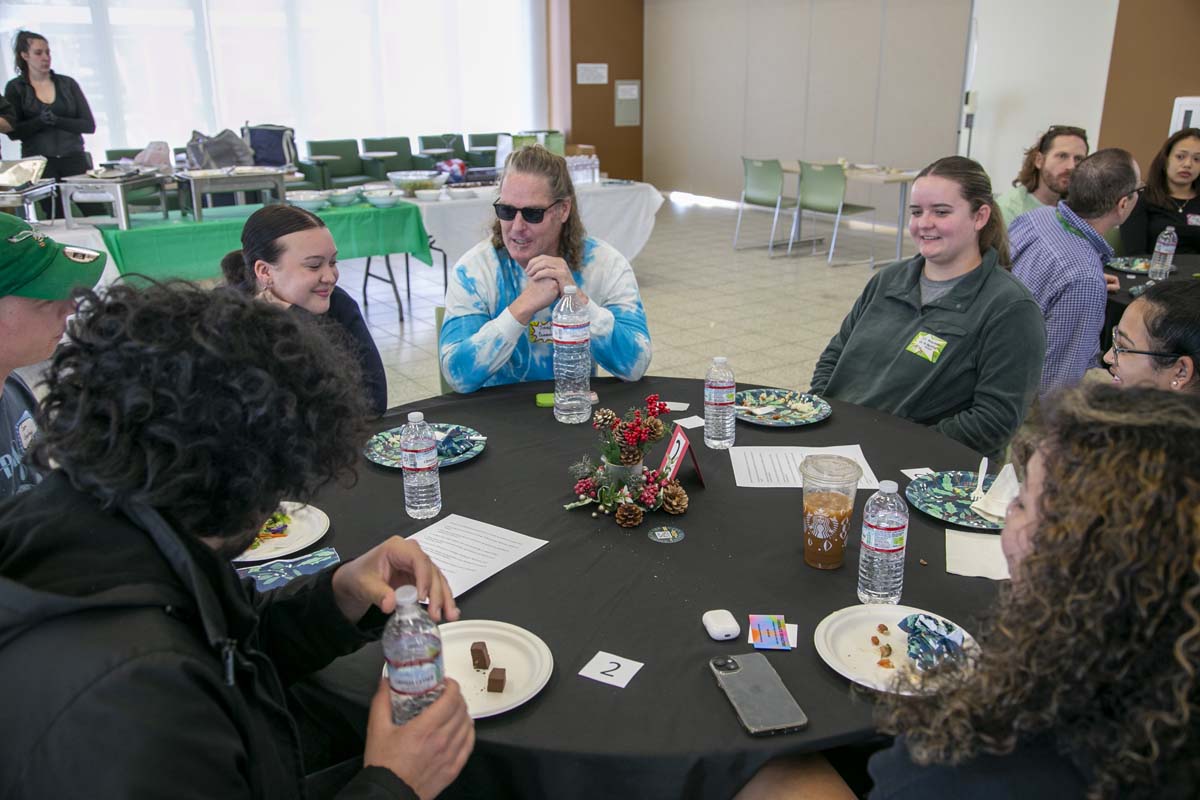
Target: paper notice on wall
591 73
628 91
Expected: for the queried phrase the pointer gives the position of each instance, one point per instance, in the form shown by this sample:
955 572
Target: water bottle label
572 334
884 539
419 460
718 394
413 678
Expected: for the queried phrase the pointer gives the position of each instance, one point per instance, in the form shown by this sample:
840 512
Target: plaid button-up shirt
1061 258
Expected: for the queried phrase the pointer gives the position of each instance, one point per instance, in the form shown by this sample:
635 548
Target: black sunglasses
531 215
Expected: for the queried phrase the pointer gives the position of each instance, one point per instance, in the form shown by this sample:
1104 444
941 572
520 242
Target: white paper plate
309 524
843 640
525 657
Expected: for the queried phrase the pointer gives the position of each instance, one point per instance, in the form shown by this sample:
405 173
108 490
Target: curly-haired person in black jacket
133 663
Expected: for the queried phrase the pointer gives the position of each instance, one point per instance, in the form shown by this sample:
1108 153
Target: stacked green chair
763 186
823 190
347 170
481 158
142 198
378 168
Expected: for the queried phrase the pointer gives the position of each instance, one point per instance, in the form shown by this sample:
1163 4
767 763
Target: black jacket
133 663
71 109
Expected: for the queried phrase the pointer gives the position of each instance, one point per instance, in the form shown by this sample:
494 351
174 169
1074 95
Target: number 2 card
610 669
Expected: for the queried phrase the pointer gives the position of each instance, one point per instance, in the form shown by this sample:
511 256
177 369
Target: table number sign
673 460
610 669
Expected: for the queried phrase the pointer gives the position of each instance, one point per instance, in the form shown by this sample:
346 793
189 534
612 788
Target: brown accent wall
1154 60
607 32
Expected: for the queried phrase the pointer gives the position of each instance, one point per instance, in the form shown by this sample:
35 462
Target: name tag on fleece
927 346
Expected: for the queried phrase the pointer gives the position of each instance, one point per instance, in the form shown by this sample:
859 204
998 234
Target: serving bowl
461 194
411 180
344 197
308 199
428 194
383 198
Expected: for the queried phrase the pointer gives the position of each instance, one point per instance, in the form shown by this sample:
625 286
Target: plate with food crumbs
293 527
865 644
524 657
780 408
1132 265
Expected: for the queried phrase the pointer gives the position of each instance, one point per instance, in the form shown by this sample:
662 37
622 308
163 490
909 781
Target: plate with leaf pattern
790 408
384 447
947 496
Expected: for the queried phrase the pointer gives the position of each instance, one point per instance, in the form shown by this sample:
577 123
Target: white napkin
994 504
975 555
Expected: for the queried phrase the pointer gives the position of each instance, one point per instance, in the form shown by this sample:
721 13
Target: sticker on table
769 632
678 406
665 534
690 422
610 669
916 472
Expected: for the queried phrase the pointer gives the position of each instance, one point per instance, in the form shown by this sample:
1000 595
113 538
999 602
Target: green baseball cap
34 265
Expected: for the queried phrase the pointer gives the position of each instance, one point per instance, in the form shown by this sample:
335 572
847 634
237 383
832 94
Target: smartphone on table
754 688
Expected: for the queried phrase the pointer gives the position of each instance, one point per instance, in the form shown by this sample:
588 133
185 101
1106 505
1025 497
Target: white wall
874 81
1039 63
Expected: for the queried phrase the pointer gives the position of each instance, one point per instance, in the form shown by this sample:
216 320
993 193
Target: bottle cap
720 359
406 595
888 487
571 289
416 416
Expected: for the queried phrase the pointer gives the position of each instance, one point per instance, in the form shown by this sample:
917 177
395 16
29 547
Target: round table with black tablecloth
1185 265
596 586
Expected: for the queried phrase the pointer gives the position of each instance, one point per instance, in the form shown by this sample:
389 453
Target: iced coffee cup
830 483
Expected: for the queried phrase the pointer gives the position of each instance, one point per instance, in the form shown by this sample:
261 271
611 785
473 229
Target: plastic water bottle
1164 254
419 459
572 360
719 389
413 649
884 537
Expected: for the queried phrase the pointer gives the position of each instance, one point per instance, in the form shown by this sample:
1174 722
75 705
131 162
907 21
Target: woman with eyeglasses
499 302
1157 342
1172 198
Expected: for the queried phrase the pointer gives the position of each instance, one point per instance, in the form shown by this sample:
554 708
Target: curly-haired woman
1157 342
1087 682
178 419
498 306
288 258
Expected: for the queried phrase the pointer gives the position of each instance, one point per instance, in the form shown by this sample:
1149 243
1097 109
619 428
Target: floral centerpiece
621 485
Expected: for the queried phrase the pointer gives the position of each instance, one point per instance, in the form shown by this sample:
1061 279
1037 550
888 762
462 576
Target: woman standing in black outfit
51 111
1172 188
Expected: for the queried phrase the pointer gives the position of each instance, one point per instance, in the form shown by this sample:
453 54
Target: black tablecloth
1185 265
596 586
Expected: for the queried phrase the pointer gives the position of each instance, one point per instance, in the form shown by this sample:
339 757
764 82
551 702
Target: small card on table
769 632
610 669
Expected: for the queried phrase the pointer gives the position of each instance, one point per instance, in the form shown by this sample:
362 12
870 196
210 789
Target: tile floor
771 317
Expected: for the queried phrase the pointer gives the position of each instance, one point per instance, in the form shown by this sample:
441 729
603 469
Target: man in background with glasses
1059 253
1046 172
499 303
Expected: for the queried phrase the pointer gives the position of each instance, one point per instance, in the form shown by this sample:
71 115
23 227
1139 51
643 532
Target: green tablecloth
183 248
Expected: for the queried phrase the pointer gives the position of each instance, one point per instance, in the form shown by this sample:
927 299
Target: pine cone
629 516
603 418
657 429
630 454
675 499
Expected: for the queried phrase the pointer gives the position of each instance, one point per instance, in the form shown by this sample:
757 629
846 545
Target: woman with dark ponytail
948 338
288 258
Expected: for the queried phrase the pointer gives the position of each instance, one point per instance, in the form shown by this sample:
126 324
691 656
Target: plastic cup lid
416 416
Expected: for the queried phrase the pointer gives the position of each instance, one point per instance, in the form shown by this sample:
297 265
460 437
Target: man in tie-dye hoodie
499 302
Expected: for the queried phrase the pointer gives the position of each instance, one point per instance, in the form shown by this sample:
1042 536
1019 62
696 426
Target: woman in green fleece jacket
948 338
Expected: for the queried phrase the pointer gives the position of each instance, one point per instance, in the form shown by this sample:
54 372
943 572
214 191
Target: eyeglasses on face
533 216
1117 350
